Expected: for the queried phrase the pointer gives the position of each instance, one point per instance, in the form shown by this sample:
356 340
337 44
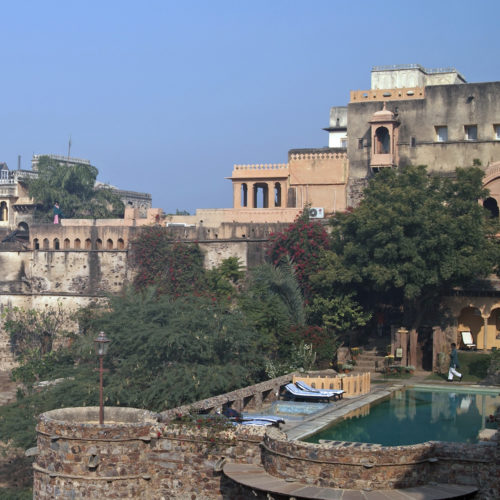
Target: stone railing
353 385
264 166
388 94
248 398
491 173
318 156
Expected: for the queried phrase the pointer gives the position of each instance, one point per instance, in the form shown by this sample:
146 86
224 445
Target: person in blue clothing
454 364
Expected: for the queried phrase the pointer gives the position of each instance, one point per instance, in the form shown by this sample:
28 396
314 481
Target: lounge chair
467 340
262 420
237 418
339 393
295 393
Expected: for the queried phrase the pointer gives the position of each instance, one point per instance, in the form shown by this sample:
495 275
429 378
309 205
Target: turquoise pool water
417 415
293 410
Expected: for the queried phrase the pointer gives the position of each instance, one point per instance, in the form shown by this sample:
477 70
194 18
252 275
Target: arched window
382 141
66 243
56 244
4 212
491 205
98 244
45 243
36 244
109 244
88 244
23 226
120 244
78 243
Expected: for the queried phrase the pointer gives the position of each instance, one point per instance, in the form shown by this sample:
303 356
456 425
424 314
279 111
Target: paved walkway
256 478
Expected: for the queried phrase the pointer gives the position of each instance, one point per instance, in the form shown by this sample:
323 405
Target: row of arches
78 244
261 195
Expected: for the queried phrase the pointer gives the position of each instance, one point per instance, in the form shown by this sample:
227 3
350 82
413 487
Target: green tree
413 237
164 352
73 186
224 279
273 303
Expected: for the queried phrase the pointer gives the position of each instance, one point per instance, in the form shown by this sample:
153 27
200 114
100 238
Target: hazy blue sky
164 97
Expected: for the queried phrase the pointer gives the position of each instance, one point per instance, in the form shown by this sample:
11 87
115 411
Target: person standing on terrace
57 213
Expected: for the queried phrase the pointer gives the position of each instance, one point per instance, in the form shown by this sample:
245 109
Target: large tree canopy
413 237
73 186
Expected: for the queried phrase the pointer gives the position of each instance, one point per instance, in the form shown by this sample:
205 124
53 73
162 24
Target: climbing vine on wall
302 242
173 267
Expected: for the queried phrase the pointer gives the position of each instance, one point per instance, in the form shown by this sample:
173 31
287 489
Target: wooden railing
353 385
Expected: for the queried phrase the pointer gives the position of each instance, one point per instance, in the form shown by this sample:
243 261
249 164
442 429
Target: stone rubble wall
361 466
78 458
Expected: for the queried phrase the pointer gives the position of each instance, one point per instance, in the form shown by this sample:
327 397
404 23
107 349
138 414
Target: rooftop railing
392 67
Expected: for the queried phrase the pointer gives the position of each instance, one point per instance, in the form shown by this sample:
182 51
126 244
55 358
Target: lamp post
101 345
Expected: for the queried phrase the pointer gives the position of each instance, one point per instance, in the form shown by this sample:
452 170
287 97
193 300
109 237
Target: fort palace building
410 115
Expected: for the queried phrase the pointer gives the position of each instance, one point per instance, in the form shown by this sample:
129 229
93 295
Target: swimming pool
416 415
293 410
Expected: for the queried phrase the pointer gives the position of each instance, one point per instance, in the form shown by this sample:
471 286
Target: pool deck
318 421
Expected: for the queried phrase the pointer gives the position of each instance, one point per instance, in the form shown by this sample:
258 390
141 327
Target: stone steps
369 361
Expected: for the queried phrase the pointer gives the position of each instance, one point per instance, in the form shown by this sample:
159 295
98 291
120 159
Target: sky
164 96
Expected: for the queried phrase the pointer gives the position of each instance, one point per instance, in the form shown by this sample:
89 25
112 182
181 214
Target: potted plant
347 367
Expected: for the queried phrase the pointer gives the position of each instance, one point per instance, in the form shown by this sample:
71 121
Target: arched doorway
382 141
4 212
491 205
470 320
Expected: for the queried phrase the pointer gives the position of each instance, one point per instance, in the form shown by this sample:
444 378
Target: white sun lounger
297 393
467 340
306 387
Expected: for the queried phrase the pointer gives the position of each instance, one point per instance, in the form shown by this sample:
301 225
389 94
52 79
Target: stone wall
453 106
360 466
77 276
133 455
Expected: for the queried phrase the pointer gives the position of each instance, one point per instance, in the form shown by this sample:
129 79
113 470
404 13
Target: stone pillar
412 360
403 341
284 194
237 194
251 195
485 334
270 195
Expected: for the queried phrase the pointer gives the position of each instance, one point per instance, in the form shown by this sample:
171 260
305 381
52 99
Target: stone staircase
372 357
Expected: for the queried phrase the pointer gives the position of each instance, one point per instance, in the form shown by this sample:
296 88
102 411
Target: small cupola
384 132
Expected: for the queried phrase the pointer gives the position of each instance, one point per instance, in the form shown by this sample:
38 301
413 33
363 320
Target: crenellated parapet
259 171
262 166
326 155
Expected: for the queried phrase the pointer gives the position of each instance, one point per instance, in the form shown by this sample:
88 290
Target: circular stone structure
77 457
